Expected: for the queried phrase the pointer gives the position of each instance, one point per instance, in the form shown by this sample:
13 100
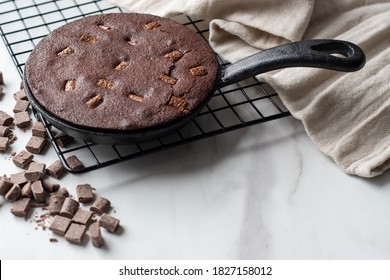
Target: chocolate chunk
74 162
4 131
38 192
5 185
56 169
26 191
100 206
55 204
4 144
60 224
5 119
75 233
110 223
22 119
84 193
20 207
96 235
13 194
63 140
35 171
1 78
62 192
19 178
22 159
35 144
69 208
51 187
20 95
82 216
21 106
39 130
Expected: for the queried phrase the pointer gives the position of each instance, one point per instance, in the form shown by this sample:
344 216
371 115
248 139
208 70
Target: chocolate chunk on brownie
156 71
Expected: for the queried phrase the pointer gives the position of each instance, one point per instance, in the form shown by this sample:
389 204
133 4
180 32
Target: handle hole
338 55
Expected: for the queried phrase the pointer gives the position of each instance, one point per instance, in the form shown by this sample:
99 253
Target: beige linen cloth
347 115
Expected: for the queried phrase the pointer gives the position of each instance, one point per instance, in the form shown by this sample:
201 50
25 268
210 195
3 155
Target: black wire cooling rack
24 23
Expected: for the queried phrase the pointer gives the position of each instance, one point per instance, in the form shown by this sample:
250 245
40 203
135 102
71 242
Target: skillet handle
310 53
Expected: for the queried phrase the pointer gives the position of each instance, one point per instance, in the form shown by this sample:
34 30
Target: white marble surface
263 192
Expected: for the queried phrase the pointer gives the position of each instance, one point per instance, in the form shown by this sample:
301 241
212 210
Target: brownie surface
121 71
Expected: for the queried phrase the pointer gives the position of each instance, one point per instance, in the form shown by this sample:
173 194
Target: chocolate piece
75 233
96 235
84 193
20 207
5 185
55 204
156 52
35 171
13 194
22 159
22 119
21 106
38 192
35 144
100 205
56 169
51 187
69 208
60 225
5 119
39 130
4 131
1 78
26 190
63 140
4 144
74 162
110 223
62 192
20 95
82 216
19 178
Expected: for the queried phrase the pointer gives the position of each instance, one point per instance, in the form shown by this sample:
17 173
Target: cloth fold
347 115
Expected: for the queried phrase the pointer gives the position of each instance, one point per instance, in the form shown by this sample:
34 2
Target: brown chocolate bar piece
23 158
19 178
55 204
62 192
5 185
4 144
60 224
26 190
20 207
74 162
50 187
84 193
5 119
13 194
35 171
22 119
56 169
4 131
38 192
35 144
75 233
100 205
20 95
38 130
63 140
21 106
82 216
96 235
69 208
110 223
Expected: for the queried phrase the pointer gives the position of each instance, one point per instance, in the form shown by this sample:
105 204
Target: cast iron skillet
310 53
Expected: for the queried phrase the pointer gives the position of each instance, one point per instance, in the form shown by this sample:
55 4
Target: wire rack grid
24 23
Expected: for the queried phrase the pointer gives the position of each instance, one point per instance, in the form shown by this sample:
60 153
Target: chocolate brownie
121 71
